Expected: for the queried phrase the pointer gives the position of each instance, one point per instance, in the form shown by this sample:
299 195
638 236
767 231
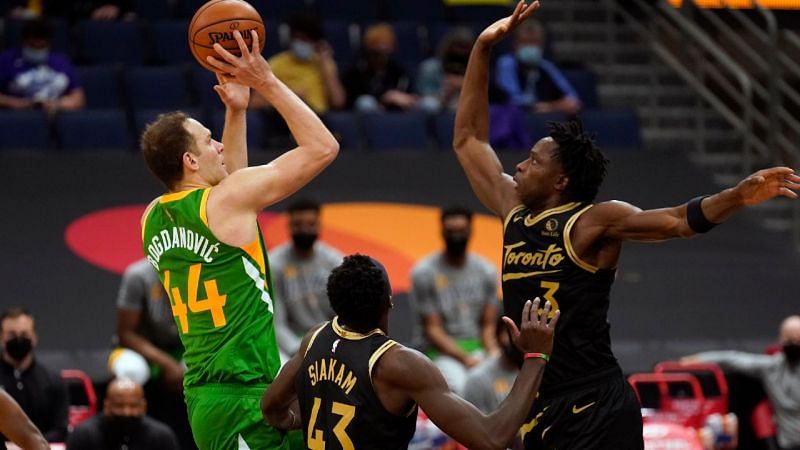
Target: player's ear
190 160
562 183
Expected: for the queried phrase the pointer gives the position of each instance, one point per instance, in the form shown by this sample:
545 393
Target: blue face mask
302 50
35 55
529 55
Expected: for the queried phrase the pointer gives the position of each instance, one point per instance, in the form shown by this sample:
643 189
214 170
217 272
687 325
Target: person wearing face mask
779 373
455 292
33 76
439 78
307 67
377 81
300 270
529 80
40 392
122 425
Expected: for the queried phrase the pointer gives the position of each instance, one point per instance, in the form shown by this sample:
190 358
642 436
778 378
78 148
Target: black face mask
304 241
121 426
19 347
792 353
456 245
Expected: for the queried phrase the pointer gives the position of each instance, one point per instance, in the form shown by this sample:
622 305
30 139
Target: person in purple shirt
529 80
32 76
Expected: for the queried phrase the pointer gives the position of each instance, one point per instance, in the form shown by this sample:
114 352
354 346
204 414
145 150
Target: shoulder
142 269
403 366
87 428
278 255
330 253
481 263
610 210
156 429
425 266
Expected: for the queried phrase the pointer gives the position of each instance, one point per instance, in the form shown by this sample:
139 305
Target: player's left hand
495 32
767 184
235 96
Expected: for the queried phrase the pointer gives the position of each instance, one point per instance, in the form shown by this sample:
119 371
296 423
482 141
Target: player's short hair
304 204
36 29
163 144
359 292
456 211
13 312
307 24
580 158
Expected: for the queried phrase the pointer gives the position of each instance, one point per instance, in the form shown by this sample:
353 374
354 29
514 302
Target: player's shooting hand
495 32
535 334
768 183
235 96
249 69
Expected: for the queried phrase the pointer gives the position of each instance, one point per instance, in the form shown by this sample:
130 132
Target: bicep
623 222
127 320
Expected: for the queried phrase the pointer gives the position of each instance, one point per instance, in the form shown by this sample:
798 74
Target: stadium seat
170 45
202 88
346 127
152 9
410 50
274 44
536 123
353 10
79 412
422 11
616 129
24 130
98 129
101 86
157 87
102 42
343 39
256 128
61 39
481 15
585 84
443 124
396 131
281 10
144 116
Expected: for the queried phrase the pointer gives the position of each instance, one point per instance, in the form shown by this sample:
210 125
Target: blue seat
101 86
170 45
410 50
60 43
616 129
96 129
341 35
274 44
536 123
346 127
152 9
281 10
480 15
443 125
101 42
256 134
360 11
142 117
585 84
157 87
24 130
423 11
202 88
396 131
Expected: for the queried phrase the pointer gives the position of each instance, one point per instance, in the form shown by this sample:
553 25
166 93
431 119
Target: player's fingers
221 66
533 319
786 192
512 327
529 11
242 44
226 55
256 42
517 11
793 177
554 320
526 314
546 313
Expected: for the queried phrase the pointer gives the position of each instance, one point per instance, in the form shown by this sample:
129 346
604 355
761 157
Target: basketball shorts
228 417
603 415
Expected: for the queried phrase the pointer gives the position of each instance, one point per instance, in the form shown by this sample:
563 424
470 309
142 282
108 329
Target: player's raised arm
494 188
15 425
409 371
257 187
621 221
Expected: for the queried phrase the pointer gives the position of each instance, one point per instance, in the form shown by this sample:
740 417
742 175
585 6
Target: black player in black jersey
357 389
562 248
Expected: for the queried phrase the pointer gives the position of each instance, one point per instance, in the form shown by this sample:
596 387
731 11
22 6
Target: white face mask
302 50
529 55
35 55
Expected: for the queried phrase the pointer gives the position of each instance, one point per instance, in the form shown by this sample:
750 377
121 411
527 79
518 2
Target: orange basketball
216 21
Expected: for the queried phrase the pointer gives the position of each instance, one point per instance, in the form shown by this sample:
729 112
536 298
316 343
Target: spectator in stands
307 68
71 10
39 391
18 427
300 270
455 292
32 76
377 81
531 81
145 325
122 424
439 78
489 382
779 373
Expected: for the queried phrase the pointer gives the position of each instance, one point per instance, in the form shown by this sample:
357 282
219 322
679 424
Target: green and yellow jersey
221 296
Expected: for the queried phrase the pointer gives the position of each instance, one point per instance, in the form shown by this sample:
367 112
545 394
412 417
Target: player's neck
551 202
455 260
303 253
189 183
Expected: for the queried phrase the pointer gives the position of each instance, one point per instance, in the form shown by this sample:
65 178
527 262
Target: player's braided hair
359 292
581 159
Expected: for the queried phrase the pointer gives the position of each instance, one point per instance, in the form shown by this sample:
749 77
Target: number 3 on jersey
316 441
552 288
213 303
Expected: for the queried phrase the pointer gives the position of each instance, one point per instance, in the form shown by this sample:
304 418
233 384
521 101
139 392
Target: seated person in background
32 76
377 81
529 80
122 424
40 392
456 294
779 373
439 78
145 325
18 427
300 270
307 68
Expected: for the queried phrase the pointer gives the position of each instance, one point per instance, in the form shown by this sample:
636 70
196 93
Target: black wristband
695 218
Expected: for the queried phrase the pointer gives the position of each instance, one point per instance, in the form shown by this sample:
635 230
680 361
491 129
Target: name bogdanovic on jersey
221 295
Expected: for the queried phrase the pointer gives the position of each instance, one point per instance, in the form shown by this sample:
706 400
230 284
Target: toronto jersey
539 261
220 295
339 406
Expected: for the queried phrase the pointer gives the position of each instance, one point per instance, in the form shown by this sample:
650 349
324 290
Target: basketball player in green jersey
562 248
203 239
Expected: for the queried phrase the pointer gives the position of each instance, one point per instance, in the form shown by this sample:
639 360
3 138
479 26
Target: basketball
216 21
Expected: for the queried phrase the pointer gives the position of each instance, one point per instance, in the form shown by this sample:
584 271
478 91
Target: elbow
461 138
329 150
